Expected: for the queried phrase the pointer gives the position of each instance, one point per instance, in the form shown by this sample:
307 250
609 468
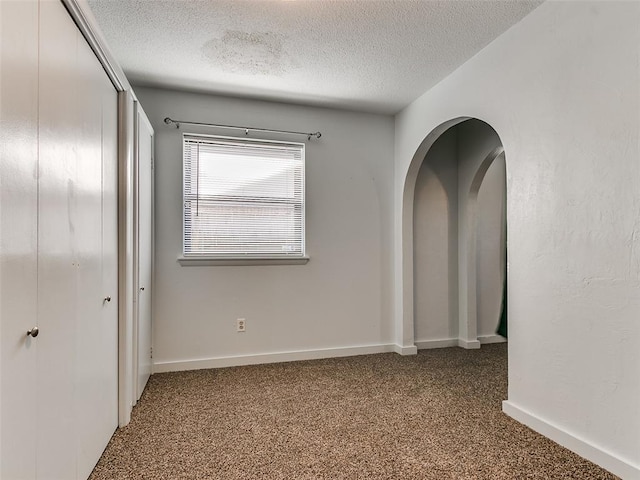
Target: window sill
211 262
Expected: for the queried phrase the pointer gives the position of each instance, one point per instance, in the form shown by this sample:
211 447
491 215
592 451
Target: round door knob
107 299
33 332
142 289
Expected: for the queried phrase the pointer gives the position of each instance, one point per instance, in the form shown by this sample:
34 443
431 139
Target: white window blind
243 198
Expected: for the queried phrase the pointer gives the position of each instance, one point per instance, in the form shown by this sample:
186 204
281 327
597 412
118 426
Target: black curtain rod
177 123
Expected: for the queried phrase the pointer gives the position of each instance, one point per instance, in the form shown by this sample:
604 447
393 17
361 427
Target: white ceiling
375 55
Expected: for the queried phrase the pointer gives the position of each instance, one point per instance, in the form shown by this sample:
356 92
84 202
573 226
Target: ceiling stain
244 53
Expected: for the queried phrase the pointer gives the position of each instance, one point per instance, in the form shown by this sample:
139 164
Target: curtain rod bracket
177 123
168 121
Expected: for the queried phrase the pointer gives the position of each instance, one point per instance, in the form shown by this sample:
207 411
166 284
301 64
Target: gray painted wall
341 298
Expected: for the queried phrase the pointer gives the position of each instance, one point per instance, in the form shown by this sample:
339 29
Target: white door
144 246
57 247
58 250
18 237
97 321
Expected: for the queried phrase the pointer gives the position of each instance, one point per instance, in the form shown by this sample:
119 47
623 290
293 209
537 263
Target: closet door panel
110 254
110 249
90 296
96 368
57 244
18 237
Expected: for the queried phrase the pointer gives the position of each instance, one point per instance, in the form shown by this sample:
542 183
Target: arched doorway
445 248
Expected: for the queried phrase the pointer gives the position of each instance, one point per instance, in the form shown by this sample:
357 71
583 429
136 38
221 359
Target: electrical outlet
241 324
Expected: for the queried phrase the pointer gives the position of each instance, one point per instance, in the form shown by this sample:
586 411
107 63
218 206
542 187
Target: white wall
491 248
435 218
340 299
561 88
476 141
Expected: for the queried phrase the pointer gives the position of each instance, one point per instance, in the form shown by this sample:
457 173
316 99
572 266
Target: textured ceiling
364 55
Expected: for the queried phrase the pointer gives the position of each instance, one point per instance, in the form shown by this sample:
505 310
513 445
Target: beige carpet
436 415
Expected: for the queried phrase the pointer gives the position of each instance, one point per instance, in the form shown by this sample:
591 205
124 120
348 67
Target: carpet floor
435 415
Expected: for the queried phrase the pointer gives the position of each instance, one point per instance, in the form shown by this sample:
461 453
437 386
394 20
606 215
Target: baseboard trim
408 350
292 356
442 343
469 344
485 339
606 460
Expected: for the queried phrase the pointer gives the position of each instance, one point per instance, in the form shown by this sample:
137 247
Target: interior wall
561 88
491 245
476 140
340 299
435 218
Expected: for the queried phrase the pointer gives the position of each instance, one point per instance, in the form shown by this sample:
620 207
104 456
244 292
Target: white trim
485 339
276 357
135 355
442 343
455 342
469 344
125 257
408 350
207 262
88 26
616 465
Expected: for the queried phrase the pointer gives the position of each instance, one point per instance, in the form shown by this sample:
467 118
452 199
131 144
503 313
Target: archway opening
458 236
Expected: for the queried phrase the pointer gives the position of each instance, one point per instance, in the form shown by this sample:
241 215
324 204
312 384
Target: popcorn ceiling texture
373 56
436 416
261 53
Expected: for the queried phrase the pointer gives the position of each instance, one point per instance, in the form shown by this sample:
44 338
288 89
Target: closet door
59 255
77 361
96 240
58 247
18 237
108 402
144 245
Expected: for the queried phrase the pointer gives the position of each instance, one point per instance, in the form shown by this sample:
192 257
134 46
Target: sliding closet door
108 402
58 250
96 240
77 357
18 237
58 247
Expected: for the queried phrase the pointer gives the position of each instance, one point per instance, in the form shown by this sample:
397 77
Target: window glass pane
243 198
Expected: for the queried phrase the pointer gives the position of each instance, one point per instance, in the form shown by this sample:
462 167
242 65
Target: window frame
248 259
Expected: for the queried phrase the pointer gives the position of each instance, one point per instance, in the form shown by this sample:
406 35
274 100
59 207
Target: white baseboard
408 350
443 343
456 342
484 339
235 361
606 460
469 344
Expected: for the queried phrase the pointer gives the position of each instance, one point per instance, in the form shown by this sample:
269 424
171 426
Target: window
243 199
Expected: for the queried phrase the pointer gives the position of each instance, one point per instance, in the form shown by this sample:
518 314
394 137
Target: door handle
107 299
33 332
142 289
